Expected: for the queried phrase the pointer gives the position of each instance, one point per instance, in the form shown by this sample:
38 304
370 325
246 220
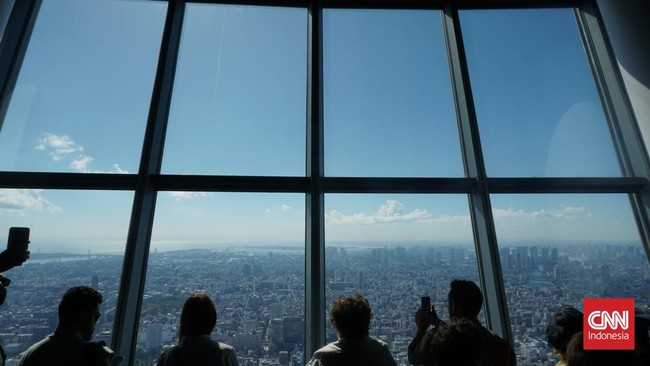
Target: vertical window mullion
487 252
315 217
14 43
125 332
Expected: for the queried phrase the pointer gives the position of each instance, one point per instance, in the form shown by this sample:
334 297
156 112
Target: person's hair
77 300
467 298
457 344
351 316
565 323
576 355
198 317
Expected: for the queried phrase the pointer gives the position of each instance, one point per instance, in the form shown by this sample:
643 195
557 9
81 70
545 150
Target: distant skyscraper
154 338
604 272
94 283
275 311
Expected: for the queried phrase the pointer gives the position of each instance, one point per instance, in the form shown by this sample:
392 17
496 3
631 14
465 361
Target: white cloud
81 164
59 147
179 196
390 211
119 170
19 202
62 147
285 207
564 214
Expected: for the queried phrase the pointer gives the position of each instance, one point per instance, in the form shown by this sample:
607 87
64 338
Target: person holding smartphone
465 301
15 255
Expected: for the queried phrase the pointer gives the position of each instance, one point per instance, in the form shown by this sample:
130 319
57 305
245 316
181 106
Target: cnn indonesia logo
608 324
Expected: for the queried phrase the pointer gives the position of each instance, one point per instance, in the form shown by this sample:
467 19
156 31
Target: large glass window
388 108
246 251
81 99
392 249
239 96
558 249
244 89
538 110
77 238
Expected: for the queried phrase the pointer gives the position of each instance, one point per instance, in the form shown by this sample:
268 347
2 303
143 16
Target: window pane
240 92
246 251
82 96
558 249
392 250
537 106
388 108
73 243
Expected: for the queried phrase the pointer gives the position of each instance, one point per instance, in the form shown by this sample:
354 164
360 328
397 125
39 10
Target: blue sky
239 108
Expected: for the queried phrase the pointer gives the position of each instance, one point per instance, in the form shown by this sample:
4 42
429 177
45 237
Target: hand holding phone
425 305
18 236
16 253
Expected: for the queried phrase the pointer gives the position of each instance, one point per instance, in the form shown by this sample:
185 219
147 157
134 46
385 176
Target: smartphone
18 236
425 303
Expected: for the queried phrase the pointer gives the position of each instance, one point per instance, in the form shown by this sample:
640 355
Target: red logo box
608 324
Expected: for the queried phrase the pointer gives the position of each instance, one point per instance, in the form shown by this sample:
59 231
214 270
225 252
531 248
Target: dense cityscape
259 293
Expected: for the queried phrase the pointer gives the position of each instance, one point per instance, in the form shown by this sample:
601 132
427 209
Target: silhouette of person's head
576 355
565 323
351 316
79 310
198 317
457 344
4 282
465 300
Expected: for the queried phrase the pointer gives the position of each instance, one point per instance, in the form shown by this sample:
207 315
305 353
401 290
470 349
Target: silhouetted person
457 344
78 315
195 347
565 323
576 355
11 257
4 282
350 316
465 301
642 339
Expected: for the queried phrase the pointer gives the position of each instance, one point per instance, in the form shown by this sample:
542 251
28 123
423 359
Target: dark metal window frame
476 185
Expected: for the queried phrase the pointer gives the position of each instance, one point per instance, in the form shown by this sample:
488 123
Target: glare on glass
239 99
82 96
538 109
558 249
387 103
77 238
247 252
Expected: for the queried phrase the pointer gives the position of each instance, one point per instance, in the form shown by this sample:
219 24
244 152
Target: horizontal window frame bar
265 3
398 185
284 184
82 181
203 183
404 4
566 185
441 4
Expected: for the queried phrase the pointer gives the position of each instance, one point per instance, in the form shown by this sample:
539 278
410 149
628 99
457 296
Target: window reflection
538 110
